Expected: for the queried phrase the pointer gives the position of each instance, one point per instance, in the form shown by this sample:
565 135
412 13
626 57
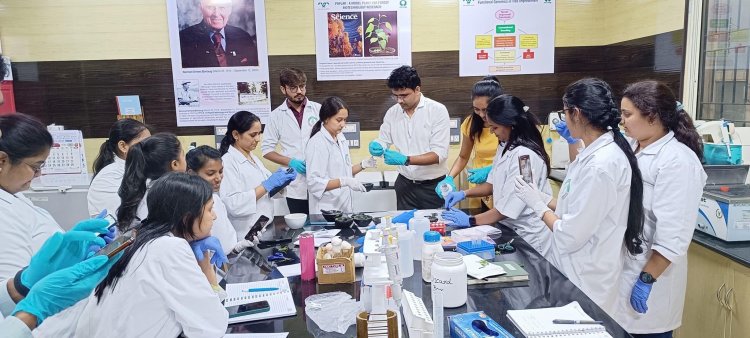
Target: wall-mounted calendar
67 155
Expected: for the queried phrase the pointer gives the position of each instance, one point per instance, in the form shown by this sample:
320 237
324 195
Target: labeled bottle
431 247
420 225
449 277
405 257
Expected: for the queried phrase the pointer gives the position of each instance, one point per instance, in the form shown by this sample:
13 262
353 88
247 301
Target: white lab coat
237 191
223 229
521 218
24 227
673 180
328 159
283 129
161 293
587 242
104 187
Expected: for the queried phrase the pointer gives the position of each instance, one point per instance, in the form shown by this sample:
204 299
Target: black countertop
547 287
736 251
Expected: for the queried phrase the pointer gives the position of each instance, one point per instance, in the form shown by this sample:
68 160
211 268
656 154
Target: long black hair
489 87
125 130
241 122
198 157
329 108
655 100
23 136
148 159
175 201
593 98
509 110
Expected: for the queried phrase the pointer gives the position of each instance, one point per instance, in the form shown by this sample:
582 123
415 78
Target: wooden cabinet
717 303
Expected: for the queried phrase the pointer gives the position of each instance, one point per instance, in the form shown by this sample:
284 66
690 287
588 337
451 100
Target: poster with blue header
361 40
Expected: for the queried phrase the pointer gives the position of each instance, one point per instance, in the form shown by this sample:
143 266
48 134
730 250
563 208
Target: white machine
724 210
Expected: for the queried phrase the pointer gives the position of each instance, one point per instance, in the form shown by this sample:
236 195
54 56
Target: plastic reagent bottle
429 249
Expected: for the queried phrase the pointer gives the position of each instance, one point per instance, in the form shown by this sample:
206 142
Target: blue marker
261 289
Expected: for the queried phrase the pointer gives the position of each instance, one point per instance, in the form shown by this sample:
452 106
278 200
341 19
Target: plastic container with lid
405 257
431 247
477 247
420 225
449 277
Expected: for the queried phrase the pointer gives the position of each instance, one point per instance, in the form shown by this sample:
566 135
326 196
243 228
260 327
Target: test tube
437 312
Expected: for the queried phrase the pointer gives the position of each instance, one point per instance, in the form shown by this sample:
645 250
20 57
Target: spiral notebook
280 301
538 322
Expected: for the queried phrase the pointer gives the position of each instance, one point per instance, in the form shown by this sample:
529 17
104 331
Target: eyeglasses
36 168
400 97
295 89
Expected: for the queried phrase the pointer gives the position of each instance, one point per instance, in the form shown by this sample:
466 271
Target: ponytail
225 143
240 122
684 131
132 188
105 157
634 230
316 128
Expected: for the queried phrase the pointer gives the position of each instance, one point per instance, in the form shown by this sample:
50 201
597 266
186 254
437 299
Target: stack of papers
538 322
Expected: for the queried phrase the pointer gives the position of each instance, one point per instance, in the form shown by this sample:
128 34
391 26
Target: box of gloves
335 262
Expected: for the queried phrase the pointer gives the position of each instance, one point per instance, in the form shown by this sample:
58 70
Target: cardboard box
337 270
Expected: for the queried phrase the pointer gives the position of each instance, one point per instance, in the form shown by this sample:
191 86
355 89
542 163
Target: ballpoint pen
260 289
568 321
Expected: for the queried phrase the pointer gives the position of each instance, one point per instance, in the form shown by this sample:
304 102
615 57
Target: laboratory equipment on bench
722 144
418 320
560 155
724 209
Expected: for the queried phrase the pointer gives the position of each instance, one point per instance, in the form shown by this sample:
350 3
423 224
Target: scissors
506 247
278 257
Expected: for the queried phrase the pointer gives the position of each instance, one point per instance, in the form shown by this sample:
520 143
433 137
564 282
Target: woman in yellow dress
476 139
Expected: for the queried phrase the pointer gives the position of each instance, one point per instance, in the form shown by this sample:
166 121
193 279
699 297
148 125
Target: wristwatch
408 159
472 221
647 278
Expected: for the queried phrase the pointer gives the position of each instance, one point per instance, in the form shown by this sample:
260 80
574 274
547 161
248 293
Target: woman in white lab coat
205 162
330 173
247 182
109 166
669 152
146 161
598 216
24 146
157 289
516 127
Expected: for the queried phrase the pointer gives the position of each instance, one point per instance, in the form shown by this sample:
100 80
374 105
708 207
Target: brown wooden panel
81 94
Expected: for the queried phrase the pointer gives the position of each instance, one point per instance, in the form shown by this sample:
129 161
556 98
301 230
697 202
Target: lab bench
717 303
547 287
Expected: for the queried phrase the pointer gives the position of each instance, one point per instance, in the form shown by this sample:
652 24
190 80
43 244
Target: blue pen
260 290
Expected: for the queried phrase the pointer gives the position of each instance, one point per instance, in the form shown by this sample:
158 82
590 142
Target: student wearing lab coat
598 216
24 146
516 127
146 161
330 173
669 152
157 289
247 182
109 166
205 162
477 141
289 126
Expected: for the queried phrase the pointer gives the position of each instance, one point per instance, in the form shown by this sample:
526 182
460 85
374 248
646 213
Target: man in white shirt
289 126
186 97
419 130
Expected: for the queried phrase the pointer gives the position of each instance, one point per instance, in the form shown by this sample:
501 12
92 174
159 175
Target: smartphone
119 244
524 165
249 309
277 189
259 224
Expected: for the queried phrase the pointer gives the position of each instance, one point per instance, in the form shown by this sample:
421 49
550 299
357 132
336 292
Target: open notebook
280 301
538 322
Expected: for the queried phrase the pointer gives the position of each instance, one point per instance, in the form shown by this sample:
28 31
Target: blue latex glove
361 242
298 165
393 157
562 129
376 149
59 252
453 198
639 296
278 179
404 217
479 175
64 288
456 218
209 243
447 180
